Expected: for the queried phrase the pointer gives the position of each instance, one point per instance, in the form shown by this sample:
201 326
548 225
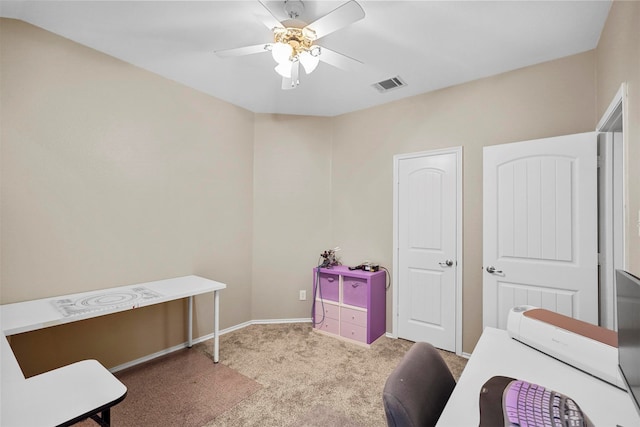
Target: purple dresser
350 304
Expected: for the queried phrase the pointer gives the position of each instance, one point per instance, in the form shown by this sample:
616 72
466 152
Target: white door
540 227
427 222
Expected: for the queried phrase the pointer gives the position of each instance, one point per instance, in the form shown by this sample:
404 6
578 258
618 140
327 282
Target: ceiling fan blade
268 19
339 60
241 51
344 15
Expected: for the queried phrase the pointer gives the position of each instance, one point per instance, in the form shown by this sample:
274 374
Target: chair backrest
418 389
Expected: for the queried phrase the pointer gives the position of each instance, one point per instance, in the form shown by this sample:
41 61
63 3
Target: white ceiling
429 44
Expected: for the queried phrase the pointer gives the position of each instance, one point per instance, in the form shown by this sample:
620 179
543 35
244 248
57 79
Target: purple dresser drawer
329 286
354 332
355 317
331 311
354 291
329 325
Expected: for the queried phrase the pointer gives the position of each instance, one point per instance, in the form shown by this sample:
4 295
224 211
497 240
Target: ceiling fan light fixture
284 69
309 61
292 45
309 34
281 52
315 51
293 40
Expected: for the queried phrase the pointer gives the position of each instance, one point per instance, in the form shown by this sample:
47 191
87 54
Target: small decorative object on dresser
349 303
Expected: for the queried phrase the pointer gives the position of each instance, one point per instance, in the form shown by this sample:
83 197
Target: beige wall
112 175
618 60
554 98
292 211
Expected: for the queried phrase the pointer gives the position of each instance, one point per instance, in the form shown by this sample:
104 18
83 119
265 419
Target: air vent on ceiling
389 84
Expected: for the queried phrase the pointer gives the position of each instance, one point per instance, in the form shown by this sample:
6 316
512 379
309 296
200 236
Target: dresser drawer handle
355 285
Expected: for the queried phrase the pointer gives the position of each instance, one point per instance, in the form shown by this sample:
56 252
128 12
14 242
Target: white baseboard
249 323
275 321
147 358
205 338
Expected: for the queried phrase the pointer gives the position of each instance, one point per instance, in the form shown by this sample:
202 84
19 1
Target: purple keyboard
528 405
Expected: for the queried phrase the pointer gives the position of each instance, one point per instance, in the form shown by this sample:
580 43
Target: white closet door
540 227
427 239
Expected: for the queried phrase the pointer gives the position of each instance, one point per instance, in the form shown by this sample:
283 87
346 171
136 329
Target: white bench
83 389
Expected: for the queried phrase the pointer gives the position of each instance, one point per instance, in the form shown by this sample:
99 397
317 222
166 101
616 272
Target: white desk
38 314
497 354
68 394
59 397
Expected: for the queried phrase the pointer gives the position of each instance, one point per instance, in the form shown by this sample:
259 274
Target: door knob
447 263
491 269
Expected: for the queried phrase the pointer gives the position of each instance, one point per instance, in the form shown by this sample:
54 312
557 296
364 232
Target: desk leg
216 332
190 327
104 420
106 416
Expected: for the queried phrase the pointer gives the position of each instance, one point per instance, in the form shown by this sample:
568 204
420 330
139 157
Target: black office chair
418 388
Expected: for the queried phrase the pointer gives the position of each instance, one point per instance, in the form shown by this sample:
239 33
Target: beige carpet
183 389
323 416
269 375
309 379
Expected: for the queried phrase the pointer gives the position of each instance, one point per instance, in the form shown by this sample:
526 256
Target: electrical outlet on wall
303 295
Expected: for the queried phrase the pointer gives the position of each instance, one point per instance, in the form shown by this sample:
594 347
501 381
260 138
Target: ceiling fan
294 41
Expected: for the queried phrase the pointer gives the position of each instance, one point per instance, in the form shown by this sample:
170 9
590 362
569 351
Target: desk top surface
59 396
37 314
497 354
